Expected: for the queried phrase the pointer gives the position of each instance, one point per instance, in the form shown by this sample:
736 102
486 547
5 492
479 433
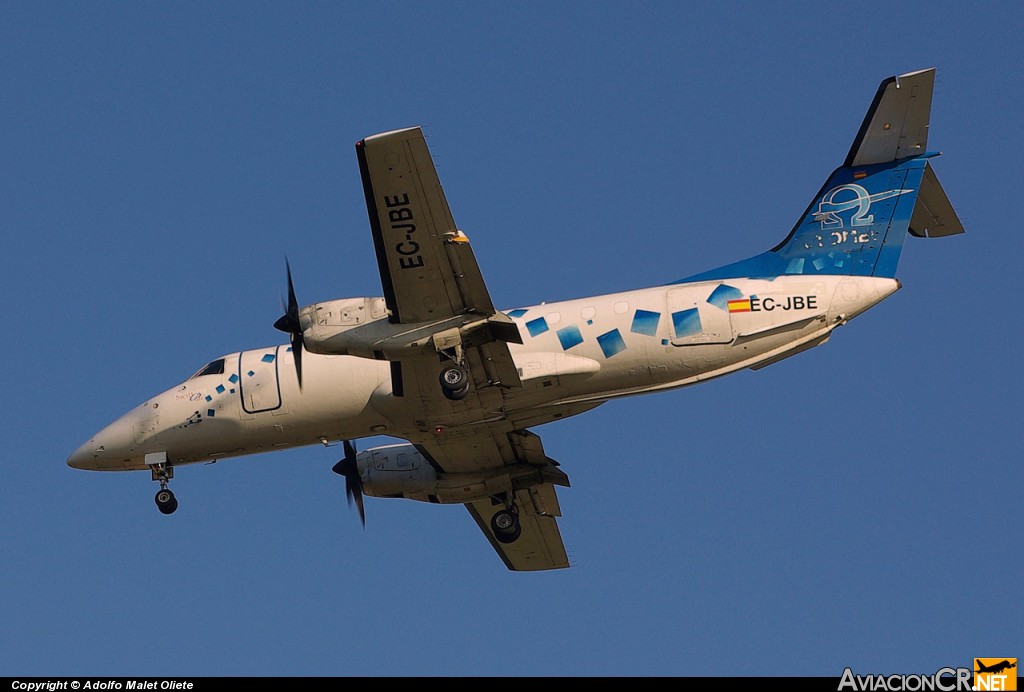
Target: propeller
348 468
289 324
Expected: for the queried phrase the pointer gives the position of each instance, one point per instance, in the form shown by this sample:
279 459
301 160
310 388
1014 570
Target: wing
431 279
539 547
427 267
516 468
426 264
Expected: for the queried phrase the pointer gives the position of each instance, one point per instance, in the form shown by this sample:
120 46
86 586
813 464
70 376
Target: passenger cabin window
214 368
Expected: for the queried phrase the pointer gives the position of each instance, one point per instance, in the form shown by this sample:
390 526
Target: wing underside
428 271
540 546
427 266
518 472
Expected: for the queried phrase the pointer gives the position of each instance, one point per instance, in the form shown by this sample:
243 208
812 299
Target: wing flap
491 364
488 447
468 277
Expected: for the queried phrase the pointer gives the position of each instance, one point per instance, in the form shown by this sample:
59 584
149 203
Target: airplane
995 667
434 363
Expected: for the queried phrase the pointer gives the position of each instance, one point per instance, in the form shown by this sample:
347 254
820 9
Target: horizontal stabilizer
934 215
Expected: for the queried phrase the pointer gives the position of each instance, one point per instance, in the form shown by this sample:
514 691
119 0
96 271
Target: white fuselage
576 354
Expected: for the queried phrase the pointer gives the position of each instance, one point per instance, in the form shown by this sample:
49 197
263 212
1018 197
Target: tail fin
857 222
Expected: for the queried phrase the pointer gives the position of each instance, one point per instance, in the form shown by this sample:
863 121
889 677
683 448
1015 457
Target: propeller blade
357 493
283 324
348 468
297 352
293 304
290 324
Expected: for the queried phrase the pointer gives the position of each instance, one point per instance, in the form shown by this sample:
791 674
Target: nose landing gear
162 473
165 501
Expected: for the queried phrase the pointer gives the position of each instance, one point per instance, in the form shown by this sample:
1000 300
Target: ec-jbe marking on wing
434 364
402 222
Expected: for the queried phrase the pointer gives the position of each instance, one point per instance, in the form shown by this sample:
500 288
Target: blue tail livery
857 222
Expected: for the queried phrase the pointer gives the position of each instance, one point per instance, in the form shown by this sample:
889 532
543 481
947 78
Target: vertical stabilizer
856 224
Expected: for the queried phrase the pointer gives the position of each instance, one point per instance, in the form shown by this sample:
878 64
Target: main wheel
165 501
454 381
505 525
453 377
457 394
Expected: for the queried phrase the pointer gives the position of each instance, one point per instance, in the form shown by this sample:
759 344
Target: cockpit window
214 368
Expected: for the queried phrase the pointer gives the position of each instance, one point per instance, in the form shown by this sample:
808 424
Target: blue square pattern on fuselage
537 326
611 343
569 336
686 323
645 322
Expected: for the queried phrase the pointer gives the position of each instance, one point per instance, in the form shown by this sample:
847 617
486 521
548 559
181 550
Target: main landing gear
505 524
165 500
454 381
454 376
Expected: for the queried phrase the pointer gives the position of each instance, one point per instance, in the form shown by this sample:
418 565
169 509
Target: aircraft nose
106 448
82 457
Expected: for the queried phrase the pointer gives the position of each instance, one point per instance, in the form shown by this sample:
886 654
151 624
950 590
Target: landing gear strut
165 500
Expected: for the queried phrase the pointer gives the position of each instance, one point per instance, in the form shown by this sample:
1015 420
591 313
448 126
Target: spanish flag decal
739 305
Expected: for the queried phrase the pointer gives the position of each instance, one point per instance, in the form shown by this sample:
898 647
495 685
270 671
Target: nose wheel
165 501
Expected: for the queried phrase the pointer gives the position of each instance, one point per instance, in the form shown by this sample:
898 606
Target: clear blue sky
851 506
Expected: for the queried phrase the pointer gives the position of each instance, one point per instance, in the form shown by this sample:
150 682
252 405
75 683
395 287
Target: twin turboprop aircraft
434 363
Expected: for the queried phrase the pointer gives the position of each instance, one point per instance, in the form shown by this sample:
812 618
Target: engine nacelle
401 471
396 471
322 322
359 327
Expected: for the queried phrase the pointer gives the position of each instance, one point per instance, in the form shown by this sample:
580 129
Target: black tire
505 525
165 501
454 381
453 378
457 394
